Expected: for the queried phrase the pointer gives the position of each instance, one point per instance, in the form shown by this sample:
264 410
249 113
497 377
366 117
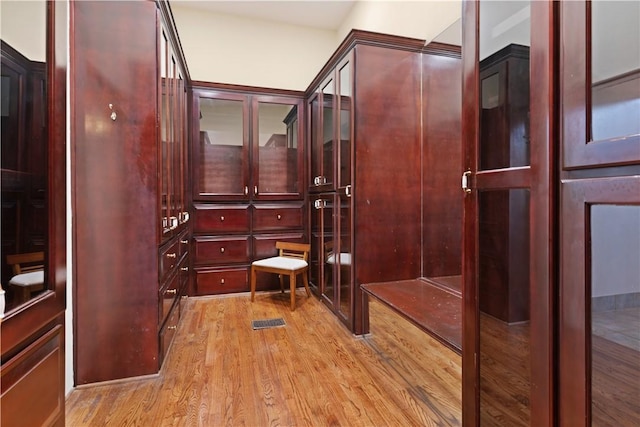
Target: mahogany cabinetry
504 224
32 337
365 162
131 255
247 183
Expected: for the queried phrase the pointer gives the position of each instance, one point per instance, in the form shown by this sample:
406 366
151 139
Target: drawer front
221 250
274 217
169 257
168 295
264 245
221 281
168 332
220 219
35 375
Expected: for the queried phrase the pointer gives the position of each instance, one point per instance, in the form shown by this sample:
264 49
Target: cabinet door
600 79
220 139
507 244
345 129
323 136
343 257
599 288
173 139
277 154
322 247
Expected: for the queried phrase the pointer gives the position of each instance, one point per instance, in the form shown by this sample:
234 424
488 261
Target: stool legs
253 282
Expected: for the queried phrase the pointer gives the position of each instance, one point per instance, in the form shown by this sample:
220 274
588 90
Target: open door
508 195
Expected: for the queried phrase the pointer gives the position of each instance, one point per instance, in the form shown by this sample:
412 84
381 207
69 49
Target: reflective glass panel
277 148
615 315
615 69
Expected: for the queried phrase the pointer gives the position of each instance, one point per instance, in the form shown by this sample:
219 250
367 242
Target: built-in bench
432 304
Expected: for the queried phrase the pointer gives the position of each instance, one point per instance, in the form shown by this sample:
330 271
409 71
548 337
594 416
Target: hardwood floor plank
311 372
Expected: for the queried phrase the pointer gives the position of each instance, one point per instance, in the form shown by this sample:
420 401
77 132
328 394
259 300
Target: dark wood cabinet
598 360
504 220
131 229
32 341
248 183
365 216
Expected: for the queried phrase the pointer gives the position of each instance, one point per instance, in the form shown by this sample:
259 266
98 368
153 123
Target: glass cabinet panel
343 259
327 132
222 148
328 264
615 69
276 154
615 314
345 108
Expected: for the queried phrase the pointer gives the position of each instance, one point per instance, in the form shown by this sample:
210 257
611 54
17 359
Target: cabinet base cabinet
35 375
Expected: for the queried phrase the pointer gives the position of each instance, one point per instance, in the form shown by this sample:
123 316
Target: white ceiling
327 14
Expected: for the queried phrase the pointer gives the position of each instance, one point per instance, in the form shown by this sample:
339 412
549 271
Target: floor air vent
267 323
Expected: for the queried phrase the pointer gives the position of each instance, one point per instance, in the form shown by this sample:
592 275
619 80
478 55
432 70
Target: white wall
23 26
230 49
415 19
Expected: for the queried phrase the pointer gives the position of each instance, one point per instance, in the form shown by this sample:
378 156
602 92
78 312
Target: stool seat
291 261
32 278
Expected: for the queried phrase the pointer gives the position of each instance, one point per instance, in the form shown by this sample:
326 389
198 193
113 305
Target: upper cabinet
600 83
330 113
173 138
246 147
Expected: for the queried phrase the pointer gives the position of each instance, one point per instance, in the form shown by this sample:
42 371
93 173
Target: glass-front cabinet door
322 139
599 291
344 97
507 337
276 151
173 140
220 154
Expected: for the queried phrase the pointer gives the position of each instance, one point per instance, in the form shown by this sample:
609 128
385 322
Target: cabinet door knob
184 242
221 218
171 255
172 328
172 291
279 217
184 268
222 281
221 250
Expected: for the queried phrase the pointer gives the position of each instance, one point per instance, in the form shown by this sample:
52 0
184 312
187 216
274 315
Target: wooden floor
310 372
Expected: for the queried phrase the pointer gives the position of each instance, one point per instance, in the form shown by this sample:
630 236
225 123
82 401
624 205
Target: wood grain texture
311 372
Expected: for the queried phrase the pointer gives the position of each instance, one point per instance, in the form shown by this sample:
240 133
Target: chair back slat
294 250
24 263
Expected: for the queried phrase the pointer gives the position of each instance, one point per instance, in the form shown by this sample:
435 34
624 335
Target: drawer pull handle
172 291
184 242
222 281
171 255
221 250
279 217
222 218
172 328
184 268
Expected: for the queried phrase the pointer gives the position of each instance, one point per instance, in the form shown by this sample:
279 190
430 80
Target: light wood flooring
311 372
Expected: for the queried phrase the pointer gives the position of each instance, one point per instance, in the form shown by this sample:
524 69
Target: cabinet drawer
169 257
168 295
168 332
277 217
221 250
221 218
221 281
264 245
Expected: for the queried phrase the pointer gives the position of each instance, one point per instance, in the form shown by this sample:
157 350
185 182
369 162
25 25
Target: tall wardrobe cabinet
128 167
364 184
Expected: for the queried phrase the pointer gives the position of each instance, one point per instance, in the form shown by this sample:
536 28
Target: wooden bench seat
433 305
